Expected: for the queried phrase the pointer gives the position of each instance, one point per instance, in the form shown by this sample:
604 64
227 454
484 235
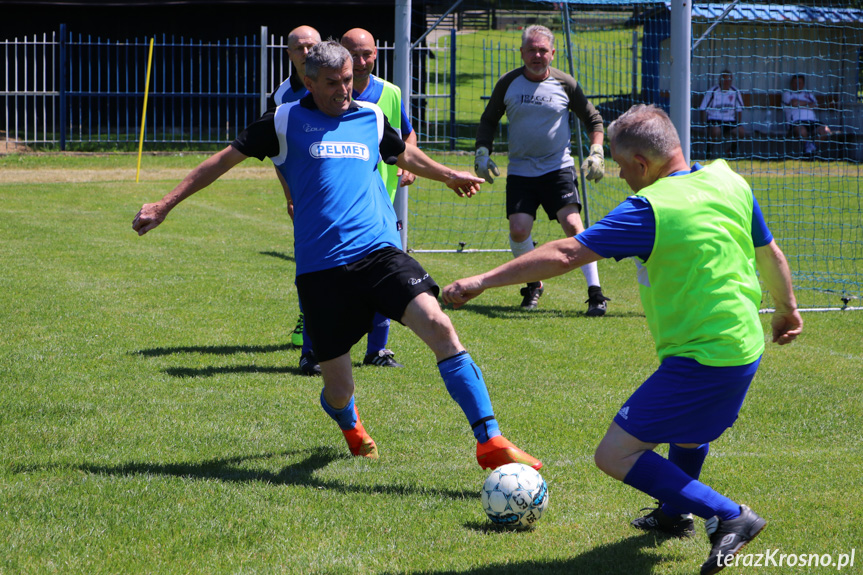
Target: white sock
521 248
591 274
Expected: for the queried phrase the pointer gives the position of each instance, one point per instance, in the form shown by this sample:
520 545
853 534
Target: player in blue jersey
346 245
697 236
300 41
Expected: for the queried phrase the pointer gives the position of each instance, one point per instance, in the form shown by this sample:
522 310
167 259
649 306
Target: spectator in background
799 105
722 111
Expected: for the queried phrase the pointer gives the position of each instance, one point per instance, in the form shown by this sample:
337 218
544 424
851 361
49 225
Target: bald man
369 88
300 40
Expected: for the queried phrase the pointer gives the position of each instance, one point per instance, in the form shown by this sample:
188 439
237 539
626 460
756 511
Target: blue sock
465 384
662 480
345 417
690 461
379 335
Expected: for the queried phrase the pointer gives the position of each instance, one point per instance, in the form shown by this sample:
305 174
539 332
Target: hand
484 166
148 217
786 326
594 164
463 183
461 291
406 178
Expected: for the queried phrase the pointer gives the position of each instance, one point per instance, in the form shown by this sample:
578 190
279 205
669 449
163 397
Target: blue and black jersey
342 211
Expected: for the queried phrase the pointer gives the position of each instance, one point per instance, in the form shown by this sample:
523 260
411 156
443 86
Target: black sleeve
392 146
579 103
259 140
494 110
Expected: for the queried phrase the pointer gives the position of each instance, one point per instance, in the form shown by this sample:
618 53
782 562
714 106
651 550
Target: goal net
801 159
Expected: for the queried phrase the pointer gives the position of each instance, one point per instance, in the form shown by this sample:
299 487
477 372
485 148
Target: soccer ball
514 495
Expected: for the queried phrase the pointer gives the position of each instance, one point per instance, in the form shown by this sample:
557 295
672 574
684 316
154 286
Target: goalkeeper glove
484 166
594 164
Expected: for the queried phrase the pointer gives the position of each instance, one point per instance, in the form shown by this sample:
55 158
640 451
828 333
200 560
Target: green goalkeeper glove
594 165
484 166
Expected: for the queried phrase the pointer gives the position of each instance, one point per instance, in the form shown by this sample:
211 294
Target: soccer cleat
531 295
297 336
596 305
499 451
383 358
360 443
309 364
675 526
728 537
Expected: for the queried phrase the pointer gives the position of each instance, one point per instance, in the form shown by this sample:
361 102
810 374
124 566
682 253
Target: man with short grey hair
347 248
537 100
697 237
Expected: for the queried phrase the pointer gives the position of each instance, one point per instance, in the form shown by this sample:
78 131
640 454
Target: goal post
625 52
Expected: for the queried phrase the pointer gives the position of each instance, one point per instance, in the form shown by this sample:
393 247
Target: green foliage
154 419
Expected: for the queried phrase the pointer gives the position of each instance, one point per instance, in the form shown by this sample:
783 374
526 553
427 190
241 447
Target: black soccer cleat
596 305
673 525
383 358
531 295
309 364
728 537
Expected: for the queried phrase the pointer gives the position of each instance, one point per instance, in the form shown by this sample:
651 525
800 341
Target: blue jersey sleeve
628 230
761 235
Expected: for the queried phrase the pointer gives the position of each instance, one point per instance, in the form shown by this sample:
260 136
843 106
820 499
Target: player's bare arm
287 191
207 172
546 261
773 268
415 160
406 177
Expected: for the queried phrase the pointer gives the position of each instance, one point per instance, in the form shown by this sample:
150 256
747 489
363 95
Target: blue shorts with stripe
686 402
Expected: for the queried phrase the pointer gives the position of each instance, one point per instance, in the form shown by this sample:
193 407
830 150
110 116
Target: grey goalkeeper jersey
538 113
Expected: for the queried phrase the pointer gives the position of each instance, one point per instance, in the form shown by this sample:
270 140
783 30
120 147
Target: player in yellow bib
697 236
388 97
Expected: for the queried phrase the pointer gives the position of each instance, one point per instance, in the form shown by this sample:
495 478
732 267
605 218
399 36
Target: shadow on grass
512 312
214 349
626 557
236 470
280 255
213 370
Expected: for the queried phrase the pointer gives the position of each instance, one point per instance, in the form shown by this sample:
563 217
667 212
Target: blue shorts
686 402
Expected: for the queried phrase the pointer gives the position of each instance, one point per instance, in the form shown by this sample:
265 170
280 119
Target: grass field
153 419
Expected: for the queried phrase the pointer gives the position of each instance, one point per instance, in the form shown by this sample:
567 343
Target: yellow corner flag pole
144 113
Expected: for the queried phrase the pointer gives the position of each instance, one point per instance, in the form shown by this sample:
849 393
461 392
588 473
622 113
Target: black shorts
339 303
552 191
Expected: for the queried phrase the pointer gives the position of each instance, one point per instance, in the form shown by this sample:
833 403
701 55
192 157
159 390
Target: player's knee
603 460
519 233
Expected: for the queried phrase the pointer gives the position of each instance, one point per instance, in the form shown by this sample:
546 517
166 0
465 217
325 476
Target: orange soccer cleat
360 443
499 451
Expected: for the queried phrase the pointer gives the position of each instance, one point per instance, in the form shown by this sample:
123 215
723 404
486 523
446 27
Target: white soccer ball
514 495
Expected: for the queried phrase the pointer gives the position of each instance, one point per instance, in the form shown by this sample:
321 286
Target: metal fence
68 91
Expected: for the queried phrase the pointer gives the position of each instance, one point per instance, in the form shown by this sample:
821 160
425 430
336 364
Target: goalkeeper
697 236
537 100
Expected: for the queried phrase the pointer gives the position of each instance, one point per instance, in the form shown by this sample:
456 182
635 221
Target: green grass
153 419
